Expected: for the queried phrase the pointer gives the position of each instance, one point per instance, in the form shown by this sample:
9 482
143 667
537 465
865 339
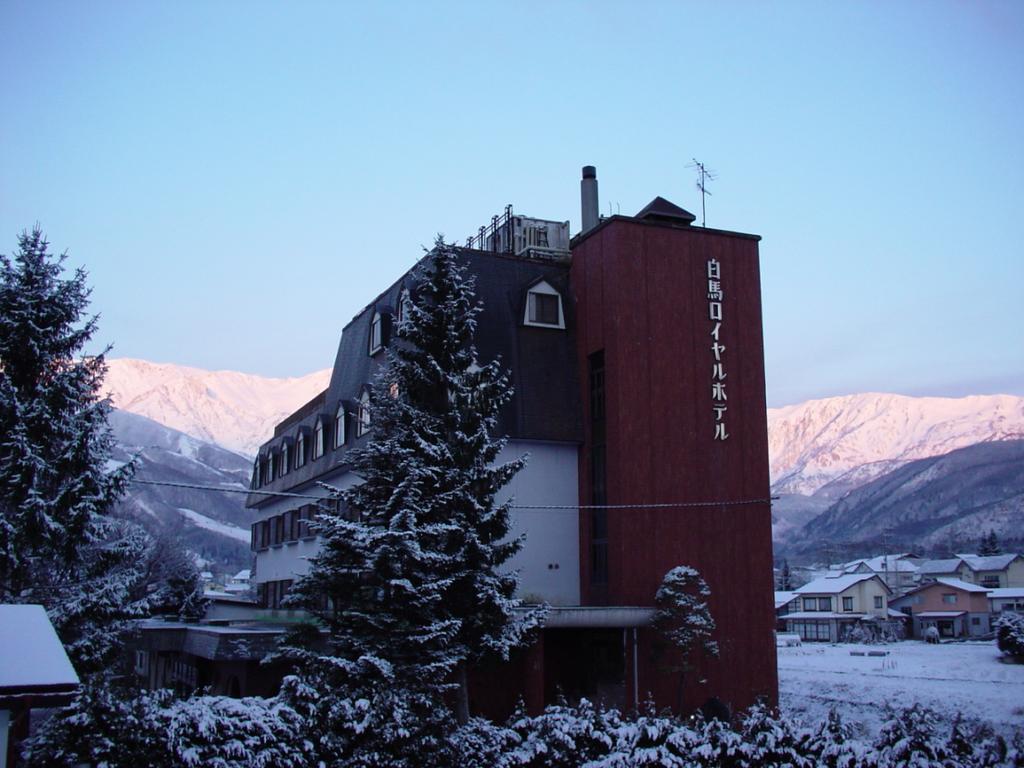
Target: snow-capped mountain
214 525
237 411
829 447
942 501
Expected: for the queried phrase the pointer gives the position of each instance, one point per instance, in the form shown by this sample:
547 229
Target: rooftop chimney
588 198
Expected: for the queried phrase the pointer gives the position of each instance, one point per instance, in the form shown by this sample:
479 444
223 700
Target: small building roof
661 209
783 598
833 585
989 562
34 661
243 575
958 584
948 565
882 563
803 615
939 614
1003 592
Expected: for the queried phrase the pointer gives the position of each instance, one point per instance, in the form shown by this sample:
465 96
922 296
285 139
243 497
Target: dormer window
283 466
376 333
544 307
300 450
403 299
318 439
339 426
270 466
363 421
257 474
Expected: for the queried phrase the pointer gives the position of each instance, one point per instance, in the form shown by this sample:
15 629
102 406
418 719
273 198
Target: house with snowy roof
636 356
899 572
35 673
1005 599
992 571
954 607
827 609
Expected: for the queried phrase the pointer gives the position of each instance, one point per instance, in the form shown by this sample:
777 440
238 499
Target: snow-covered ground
965 678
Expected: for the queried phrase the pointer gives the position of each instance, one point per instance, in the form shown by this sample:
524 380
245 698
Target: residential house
954 607
1005 599
992 571
827 609
899 572
785 603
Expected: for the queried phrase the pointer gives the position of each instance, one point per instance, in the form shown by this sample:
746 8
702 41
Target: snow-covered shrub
1010 634
770 739
910 739
651 740
105 727
974 744
221 732
832 745
563 735
482 744
858 633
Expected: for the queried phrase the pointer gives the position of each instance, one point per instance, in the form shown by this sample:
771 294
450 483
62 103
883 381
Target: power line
557 507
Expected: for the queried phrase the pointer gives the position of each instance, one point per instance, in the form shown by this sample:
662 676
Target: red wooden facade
640 290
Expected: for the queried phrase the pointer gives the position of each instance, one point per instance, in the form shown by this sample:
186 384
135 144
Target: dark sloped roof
661 209
541 361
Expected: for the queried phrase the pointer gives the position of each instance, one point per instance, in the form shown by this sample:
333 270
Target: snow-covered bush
220 732
563 735
910 739
1010 634
104 727
832 745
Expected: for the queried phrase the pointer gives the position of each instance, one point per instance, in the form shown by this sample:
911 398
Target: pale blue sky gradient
240 179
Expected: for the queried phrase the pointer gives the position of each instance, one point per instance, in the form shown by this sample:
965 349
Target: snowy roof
33 657
958 584
243 575
894 614
1005 592
824 615
782 598
881 563
989 563
949 565
939 614
833 585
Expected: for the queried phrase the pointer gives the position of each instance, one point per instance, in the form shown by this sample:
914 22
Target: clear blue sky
241 178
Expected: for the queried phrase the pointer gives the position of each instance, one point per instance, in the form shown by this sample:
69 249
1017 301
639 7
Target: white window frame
543 288
364 422
318 439
376 341
300 450
339 426
285 459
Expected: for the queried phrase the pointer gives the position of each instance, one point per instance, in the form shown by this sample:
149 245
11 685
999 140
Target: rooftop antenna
703 177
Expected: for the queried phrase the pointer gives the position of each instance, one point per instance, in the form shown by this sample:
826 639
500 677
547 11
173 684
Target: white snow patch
950 678
224 529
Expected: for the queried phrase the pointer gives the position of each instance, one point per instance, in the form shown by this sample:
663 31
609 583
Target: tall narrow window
364 421
339 426
318 439
285 458
257 478
300 450
376 333
598 473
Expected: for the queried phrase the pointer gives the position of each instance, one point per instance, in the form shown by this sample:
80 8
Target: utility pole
703 177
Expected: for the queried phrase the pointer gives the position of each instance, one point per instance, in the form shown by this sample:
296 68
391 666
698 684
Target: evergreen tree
989 544
785 577
408 582
683 619
56 546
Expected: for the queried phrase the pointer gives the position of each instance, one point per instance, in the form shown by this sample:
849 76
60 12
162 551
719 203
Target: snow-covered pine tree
785 577
683 619
408 581
55 486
